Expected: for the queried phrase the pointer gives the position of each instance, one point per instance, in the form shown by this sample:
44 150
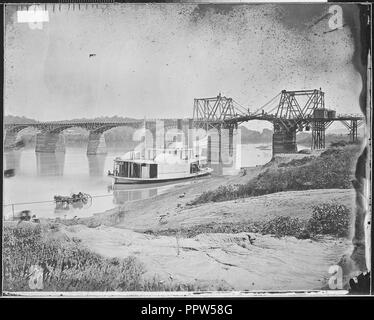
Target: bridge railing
350 115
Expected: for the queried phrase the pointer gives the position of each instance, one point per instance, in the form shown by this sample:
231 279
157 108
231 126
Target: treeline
304 138
253 136
16 119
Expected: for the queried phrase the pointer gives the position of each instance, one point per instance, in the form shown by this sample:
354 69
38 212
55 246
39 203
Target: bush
330 218
340 143
285 226
334 168
327 219
223 193
296 162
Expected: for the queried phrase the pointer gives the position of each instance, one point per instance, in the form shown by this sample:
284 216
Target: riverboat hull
126 180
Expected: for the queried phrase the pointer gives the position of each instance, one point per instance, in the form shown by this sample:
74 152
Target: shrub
327 219
330 218
285 226
332 169
340 143
222 193
296 162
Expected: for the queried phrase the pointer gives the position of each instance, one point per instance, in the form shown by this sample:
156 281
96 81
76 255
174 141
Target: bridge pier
50 164
10 138
231 141
190 134
225 146
96 164
181 139
222 151
96 143
352 126
318 135
50 142
214 146
160 135
353 136
284 139
150 138
12 160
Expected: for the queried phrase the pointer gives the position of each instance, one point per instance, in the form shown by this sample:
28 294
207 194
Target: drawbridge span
289 112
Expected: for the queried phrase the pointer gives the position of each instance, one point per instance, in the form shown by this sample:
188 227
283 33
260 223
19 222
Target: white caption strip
34 16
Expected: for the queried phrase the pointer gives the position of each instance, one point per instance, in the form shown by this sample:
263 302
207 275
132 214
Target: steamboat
159 165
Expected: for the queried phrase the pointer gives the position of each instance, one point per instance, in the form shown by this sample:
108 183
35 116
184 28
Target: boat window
194 168
153 171
135 170
126 169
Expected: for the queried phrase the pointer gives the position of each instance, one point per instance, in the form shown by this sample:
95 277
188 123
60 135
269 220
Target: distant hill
17 119
104 119
305 138
253 136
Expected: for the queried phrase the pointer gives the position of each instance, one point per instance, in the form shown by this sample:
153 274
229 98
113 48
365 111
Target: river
40 176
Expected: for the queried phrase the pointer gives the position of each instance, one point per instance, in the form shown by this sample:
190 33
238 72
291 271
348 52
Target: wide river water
40 176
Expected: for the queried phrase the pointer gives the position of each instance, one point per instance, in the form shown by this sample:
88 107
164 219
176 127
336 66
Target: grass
334 168
68 266
326 219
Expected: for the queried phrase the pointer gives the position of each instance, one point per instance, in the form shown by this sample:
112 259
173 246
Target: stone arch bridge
49 137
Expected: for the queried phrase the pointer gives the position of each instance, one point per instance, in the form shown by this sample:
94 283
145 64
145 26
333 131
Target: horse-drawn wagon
76 200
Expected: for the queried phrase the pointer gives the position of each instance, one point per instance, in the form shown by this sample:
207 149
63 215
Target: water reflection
96 164
13 160
50 164
122 194
217 168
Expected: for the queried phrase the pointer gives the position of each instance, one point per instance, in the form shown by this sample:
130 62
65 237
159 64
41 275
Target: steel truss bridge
289 112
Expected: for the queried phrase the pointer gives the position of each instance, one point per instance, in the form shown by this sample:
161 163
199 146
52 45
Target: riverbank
112 259
213 246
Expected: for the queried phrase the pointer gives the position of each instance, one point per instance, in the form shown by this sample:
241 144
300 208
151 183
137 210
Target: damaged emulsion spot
201 11
356 17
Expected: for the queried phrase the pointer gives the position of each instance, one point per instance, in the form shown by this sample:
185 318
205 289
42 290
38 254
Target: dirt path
146 215
221 261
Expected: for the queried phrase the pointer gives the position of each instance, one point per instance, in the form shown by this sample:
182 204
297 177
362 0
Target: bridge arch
51 139
12 133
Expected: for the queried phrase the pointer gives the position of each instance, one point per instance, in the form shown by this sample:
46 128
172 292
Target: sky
152 60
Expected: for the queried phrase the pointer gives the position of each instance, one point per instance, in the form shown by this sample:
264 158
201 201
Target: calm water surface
40 176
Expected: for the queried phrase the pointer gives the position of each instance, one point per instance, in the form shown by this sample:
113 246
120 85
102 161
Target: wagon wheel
88 198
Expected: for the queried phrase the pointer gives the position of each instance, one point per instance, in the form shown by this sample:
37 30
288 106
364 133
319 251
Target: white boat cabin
158 164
